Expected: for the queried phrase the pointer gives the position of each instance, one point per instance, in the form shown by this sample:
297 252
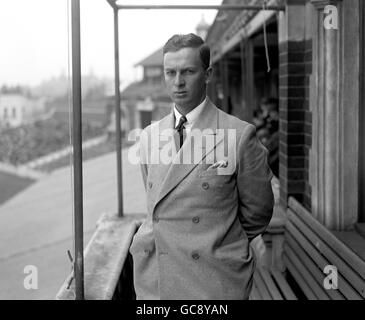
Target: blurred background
35 91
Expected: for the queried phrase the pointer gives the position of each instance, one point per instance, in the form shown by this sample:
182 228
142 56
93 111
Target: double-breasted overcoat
195 241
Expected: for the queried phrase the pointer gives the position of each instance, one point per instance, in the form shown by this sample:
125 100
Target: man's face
185 78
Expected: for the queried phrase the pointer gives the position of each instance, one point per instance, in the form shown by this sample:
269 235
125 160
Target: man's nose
179 80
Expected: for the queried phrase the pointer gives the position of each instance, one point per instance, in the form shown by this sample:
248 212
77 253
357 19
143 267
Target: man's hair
191 40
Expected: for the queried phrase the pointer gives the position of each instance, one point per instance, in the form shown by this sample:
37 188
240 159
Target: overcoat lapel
161 140
185 160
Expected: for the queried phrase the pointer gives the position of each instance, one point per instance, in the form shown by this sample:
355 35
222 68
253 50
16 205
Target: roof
154 59
143 89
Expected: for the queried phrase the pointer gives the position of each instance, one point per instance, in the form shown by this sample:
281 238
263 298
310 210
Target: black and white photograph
182 155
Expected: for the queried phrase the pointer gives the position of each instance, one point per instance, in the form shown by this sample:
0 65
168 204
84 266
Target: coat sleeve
256 199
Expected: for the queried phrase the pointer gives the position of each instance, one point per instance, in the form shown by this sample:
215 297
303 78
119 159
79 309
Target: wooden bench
269 278
309 247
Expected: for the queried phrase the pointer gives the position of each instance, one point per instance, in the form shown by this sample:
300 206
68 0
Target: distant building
95 99
202 28
147 100
17 109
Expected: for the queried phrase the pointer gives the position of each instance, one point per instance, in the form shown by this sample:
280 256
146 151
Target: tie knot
181 123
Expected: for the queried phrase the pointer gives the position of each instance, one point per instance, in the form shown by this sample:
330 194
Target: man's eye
189 71
169 72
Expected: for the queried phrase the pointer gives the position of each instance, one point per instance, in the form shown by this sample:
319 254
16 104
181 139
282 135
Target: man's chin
182 102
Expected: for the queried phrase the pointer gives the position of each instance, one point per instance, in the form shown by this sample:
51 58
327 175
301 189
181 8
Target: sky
34 36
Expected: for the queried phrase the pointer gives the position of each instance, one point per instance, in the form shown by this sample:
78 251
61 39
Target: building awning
243 25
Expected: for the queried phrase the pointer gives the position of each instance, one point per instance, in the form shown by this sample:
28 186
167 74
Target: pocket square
219 164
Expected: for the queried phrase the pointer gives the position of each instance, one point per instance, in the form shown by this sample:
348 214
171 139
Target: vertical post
118 116
247 106
250 73
77 150
361 197
223 64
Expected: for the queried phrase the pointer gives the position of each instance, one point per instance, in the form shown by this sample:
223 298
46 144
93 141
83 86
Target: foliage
28 142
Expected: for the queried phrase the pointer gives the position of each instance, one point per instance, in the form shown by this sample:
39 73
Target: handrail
105 257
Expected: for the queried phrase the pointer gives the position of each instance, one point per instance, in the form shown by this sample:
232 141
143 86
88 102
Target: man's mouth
180 93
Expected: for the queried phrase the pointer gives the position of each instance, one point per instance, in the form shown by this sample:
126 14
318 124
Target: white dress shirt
190 117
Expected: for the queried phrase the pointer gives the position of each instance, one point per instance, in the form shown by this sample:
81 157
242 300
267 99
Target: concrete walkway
36 225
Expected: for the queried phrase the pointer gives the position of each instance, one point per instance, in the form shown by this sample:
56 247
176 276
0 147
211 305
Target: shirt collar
191 116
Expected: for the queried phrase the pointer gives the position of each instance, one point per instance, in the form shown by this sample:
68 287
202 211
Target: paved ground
36 225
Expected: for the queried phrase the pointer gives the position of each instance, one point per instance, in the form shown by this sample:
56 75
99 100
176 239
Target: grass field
11 184
90 153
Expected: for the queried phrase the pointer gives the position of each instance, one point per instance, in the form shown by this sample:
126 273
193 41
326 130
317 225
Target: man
201 218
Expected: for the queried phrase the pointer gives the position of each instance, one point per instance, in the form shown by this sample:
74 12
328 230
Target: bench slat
283 285
317 274
298 263
352 258
261 286
270 284
299 279
340 262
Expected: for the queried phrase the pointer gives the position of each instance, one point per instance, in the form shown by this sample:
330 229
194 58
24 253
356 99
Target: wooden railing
108 265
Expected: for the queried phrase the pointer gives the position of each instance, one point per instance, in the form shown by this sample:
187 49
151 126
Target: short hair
191 40
271 101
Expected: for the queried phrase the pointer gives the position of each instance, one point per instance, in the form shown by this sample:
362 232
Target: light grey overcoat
194 243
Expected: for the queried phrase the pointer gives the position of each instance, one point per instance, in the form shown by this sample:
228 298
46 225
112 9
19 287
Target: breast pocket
213 177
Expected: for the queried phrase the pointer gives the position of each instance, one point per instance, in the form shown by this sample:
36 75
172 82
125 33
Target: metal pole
77 150
204 7
117 116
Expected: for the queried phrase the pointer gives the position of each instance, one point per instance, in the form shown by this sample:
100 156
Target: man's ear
208 75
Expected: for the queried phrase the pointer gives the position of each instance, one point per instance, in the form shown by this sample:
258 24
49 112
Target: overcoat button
156 219
196 219
195 256
150 184
205 185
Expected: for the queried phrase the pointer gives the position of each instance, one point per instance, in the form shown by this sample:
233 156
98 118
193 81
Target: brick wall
295 120
308 124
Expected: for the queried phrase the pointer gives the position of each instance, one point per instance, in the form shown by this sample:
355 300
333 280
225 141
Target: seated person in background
266 120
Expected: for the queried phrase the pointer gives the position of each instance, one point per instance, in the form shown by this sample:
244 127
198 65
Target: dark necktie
180 127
